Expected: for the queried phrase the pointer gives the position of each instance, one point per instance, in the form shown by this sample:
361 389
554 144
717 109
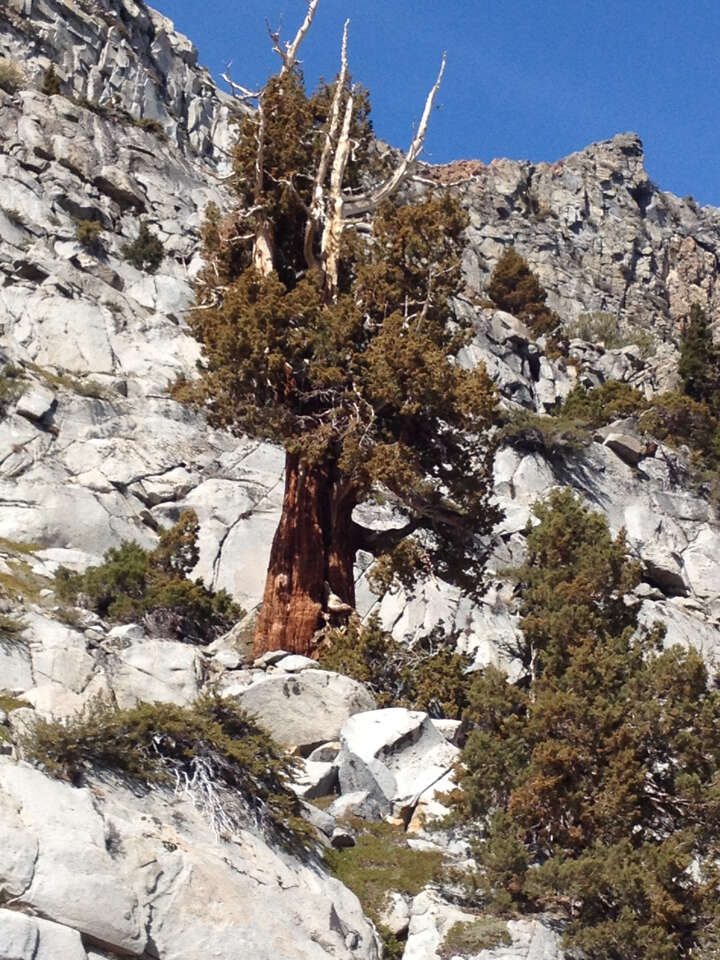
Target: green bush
466 939
51 82
153 586
10 386
601 405
212 749
12 78
11 628
515 288
603 328
146 251
553 435
429 675
595 791
699 365
380 863
677 419
87 233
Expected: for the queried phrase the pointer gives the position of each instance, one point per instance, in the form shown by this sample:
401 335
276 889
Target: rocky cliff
93 452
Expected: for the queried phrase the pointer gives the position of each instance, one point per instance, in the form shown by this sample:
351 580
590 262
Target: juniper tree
699 365
599 786
515 288
323 315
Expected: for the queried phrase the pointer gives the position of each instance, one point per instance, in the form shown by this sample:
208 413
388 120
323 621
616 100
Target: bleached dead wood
332 207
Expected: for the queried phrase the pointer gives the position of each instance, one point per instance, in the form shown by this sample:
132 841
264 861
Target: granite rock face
144 875
93 451
598 233
124 55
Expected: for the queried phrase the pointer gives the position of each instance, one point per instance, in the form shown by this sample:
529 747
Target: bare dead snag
289 54
317 209
332 234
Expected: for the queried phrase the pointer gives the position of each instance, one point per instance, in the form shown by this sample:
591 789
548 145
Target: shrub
211 750
465 939
11 628
12 78
678 419
601 405
699 365
51 82
87 232
146 251
380 863
8 704
604 328
428 675
595 791
152 126
552 435
10 386
134 584
515 288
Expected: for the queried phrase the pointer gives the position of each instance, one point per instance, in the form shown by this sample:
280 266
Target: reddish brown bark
313 544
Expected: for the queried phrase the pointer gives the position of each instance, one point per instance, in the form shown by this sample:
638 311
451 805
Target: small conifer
597 788
699 365
146 250
513 287
51 82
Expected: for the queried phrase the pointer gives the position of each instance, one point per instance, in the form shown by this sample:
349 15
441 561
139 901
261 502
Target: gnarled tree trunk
313 546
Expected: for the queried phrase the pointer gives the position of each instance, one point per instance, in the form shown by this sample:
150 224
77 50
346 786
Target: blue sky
526 79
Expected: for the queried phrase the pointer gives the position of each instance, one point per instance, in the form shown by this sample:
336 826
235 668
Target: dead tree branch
289 54
317 210
366 203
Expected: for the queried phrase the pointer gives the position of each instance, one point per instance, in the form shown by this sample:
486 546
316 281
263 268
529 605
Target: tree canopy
515 288
699 365
324 314
597 790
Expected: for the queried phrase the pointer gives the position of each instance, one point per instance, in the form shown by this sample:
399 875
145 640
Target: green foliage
600 405
11 628
51 82
359 380
134 584
87 232
604 328
232 767
380 863
21 582
513 287
699 365
570 426
146 251
429 675
12 78
672 418
11 386
64 381
678 420
466 939
598 787
8 704
553 435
